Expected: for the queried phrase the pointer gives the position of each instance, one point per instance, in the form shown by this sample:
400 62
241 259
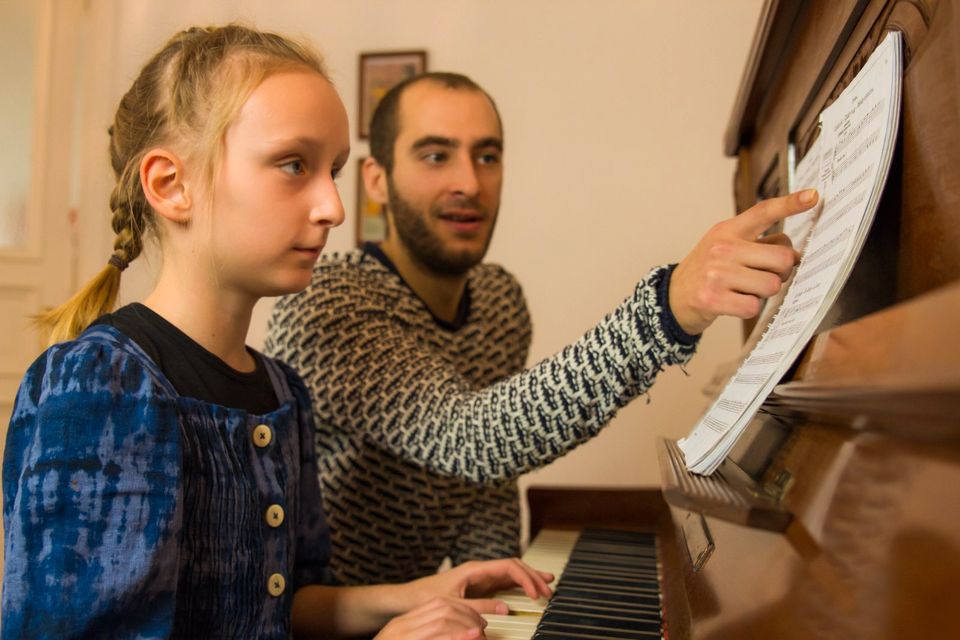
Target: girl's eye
335 172
294 167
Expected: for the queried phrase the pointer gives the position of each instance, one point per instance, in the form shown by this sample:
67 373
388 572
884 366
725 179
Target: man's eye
436 157
489 158
294 167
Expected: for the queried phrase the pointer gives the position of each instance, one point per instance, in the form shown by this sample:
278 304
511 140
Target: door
39 43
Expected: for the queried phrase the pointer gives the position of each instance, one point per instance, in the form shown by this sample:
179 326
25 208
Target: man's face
444 190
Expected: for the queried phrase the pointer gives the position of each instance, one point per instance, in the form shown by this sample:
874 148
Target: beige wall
18 36
614 112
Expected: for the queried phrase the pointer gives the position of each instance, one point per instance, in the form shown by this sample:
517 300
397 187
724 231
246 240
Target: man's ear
163 181
375 180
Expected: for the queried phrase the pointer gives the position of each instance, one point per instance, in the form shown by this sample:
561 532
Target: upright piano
838 513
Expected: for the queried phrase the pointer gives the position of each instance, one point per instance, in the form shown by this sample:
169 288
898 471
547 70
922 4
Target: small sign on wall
379 72
371 219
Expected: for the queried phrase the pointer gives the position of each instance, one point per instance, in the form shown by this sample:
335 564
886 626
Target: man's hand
731 270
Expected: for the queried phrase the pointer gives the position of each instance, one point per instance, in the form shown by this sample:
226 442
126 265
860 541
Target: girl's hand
443 617
444 605
481 579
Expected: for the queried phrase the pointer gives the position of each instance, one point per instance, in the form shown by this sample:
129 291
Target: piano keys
548 552
608 588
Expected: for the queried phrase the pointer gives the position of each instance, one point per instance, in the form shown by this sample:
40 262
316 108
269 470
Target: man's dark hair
385 125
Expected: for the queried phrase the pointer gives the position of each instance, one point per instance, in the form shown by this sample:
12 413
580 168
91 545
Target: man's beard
424 245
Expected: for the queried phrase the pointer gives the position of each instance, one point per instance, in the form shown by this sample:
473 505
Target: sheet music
806 176
853 154
797 227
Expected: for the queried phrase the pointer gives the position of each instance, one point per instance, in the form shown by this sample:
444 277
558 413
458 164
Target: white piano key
518 601
548 552
515 627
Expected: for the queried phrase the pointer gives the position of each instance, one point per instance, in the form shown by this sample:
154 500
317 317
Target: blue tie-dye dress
132 512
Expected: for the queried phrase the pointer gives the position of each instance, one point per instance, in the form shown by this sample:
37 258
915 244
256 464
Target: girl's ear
375 180
162 179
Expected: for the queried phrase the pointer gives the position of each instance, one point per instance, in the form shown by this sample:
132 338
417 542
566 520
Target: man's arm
367 373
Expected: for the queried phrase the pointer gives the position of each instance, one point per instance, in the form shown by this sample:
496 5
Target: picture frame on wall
371 225
379 72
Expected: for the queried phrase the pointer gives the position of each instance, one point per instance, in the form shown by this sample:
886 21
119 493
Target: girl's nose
327 208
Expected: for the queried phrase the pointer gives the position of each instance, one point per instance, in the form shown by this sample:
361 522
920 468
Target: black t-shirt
194 371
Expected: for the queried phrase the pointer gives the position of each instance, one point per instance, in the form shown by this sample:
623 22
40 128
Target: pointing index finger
761 216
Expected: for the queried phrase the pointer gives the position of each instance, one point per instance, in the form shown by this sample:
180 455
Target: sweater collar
463 308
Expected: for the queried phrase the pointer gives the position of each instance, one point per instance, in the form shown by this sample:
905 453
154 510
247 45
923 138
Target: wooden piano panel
874 552
930 223
871 466
871 459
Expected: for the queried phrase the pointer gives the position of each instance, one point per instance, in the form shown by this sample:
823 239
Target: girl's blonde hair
186 95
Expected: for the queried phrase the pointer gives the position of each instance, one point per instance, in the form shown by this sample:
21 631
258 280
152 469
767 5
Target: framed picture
379 72
371 219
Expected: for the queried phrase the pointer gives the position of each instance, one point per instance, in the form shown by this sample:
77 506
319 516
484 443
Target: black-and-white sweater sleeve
369 375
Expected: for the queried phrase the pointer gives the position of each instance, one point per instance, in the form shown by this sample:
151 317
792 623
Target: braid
129 222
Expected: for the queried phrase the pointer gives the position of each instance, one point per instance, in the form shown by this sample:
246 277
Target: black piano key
584 629
591 635
568 634
640 578
634 555
625 572
627 604
609 589
583 573
646 614
630 537
618 547
603 603
640 587
611 596
606 577
611 560
597 622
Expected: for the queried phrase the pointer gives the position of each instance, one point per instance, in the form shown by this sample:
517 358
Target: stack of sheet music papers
848 165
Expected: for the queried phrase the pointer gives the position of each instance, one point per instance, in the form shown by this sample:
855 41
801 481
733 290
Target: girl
159 477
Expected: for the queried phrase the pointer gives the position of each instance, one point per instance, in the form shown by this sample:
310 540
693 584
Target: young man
414 349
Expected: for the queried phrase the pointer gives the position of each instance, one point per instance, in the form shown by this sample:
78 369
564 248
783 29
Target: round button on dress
262 435
276 583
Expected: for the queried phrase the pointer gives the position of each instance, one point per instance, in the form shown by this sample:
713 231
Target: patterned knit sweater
422 430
